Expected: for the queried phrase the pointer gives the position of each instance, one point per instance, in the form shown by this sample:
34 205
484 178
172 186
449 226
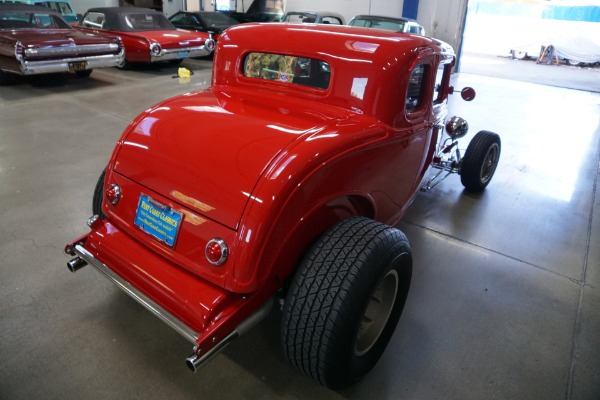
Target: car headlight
457 127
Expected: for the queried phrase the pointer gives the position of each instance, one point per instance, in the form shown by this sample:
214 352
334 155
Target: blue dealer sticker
158 220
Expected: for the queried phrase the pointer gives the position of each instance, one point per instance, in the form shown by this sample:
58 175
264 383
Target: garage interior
505 295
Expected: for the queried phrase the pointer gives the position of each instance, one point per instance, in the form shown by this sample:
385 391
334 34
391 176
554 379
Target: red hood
54 37
207 151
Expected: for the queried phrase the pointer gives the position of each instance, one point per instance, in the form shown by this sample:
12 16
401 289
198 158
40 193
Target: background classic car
36 40
406 25
314 17
283 181
147 34
202 21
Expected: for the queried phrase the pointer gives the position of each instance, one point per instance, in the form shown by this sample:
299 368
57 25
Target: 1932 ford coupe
283 180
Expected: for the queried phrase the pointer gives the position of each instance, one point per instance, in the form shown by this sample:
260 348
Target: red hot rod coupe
284 180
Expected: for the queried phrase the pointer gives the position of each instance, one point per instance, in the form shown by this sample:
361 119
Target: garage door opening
506 38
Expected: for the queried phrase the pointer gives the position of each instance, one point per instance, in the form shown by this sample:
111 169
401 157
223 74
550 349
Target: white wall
443 20
81 6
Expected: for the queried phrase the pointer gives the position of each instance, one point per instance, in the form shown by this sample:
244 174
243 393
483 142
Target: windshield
300 17
218 19
31 20
146 22
380 24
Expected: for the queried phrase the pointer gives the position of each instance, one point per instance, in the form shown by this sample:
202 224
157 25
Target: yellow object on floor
184 72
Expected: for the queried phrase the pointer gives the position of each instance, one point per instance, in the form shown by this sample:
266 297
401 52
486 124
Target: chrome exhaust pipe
76 264
196 361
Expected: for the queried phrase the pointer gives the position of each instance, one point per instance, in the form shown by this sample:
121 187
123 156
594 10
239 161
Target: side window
179 19
416 88
442 77
332 20
94 20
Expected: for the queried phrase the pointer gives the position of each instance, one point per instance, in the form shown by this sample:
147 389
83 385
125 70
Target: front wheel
480 161
345 301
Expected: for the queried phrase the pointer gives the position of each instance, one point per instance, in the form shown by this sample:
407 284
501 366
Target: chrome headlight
457 127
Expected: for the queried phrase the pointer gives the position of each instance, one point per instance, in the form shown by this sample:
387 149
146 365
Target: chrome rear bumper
180 53
137 295
62 65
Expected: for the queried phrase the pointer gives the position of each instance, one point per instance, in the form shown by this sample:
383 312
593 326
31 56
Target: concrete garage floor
505 298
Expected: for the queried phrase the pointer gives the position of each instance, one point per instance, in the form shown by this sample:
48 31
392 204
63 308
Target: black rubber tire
329 295
480 161
98 196
84 74
5 78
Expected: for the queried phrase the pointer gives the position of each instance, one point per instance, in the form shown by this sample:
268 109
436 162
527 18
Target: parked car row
39 40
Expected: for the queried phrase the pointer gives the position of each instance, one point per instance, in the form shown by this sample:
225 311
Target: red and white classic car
147 34
37 40
283 180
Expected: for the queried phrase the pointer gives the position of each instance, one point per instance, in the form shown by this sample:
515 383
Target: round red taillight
216 251
113 193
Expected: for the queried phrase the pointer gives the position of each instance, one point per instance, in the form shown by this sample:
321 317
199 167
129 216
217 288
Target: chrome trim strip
164 315
70 50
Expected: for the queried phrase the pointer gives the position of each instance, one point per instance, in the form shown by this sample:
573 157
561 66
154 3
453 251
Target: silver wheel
489 163
519 55
377 313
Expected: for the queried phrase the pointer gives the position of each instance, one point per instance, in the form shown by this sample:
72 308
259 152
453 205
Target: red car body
147 34
37 40
245 176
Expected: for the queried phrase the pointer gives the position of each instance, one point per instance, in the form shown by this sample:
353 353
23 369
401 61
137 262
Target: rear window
288 69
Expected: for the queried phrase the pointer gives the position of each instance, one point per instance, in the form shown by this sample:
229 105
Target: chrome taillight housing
19 51
155 49
113 193
210 44
216 251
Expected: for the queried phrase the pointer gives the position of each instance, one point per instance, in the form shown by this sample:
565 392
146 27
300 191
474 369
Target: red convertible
283 180
36 40
147 34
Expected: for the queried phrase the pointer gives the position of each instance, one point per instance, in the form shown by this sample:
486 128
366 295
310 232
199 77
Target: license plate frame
158 220
77 66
